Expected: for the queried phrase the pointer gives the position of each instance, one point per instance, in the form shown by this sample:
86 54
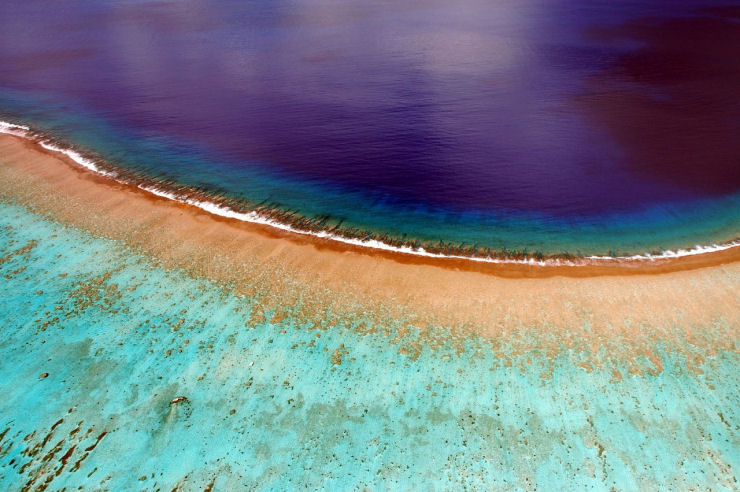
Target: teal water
280 405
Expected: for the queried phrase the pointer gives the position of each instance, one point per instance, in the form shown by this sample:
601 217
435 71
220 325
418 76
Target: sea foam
255 217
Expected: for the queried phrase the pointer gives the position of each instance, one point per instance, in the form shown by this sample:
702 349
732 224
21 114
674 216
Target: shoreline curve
669 260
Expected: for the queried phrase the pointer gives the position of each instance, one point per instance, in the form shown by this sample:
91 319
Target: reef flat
147 344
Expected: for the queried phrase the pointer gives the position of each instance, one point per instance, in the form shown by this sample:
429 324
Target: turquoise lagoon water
283 406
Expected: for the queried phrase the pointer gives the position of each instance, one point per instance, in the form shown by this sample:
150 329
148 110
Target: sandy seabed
638 301
307 364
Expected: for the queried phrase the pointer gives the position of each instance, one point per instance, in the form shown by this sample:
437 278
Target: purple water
565 110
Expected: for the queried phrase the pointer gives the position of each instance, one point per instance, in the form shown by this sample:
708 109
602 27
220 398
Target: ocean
486 129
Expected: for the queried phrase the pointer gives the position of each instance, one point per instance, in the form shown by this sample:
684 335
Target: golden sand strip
584 304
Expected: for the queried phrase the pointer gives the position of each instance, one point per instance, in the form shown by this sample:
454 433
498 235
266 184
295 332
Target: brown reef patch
619 312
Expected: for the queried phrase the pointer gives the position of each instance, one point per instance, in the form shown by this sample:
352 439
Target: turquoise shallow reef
97 341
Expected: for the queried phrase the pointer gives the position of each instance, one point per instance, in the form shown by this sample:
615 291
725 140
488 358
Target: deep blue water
521 125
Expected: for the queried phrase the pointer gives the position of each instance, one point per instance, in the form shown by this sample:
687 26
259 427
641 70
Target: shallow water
509 125
281 404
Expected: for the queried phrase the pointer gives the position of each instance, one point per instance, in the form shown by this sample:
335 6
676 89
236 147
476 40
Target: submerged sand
623 306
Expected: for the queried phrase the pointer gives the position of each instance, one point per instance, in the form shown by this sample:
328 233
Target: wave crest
192 198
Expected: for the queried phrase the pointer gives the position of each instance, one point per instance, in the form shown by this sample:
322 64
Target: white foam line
24 131
696 250
78 158
13 129
256 218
